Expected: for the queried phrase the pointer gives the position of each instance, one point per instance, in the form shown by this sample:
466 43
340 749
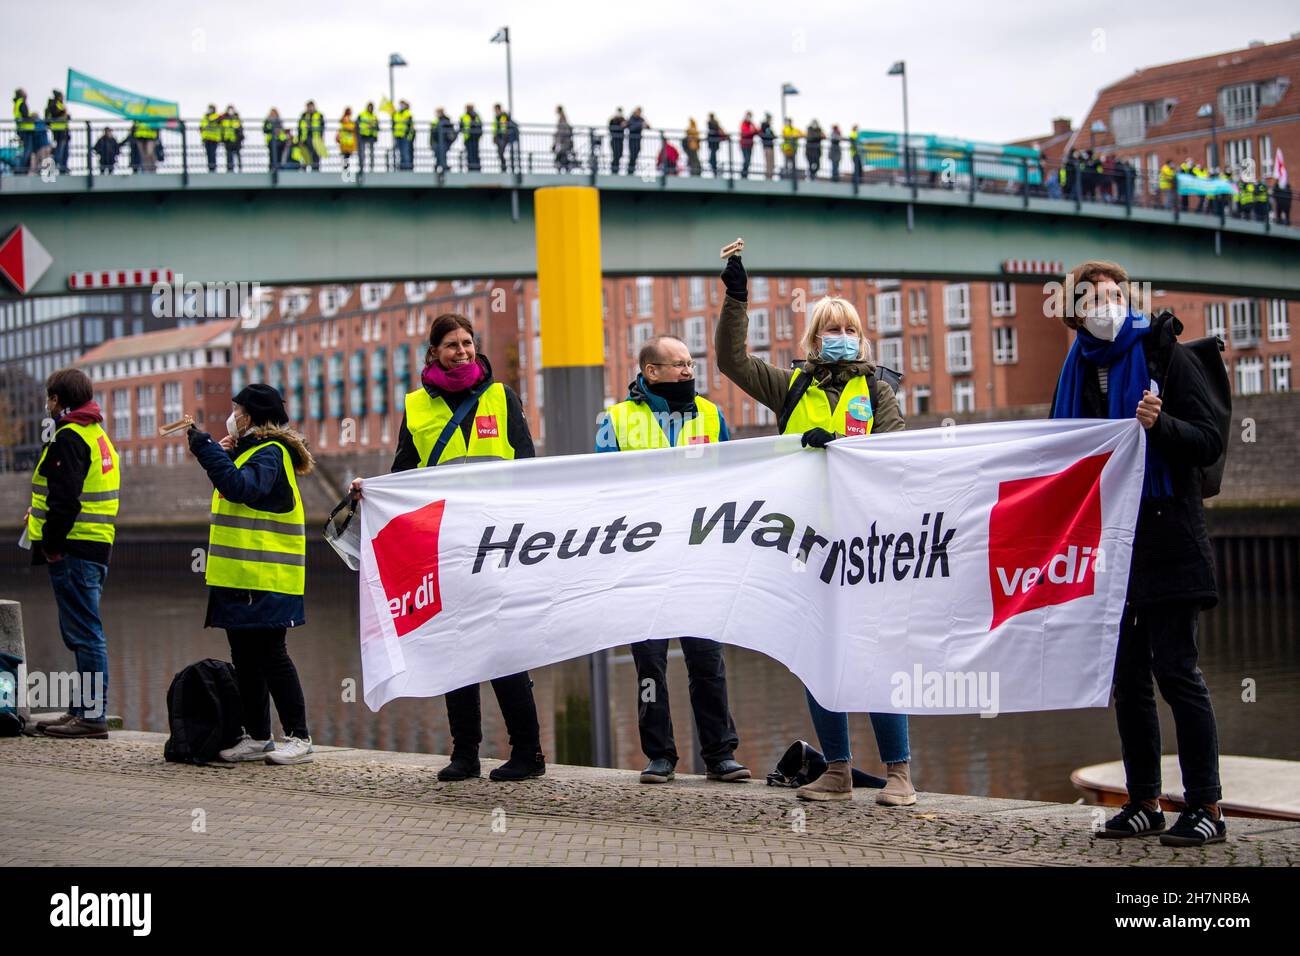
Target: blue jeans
77 585
833 733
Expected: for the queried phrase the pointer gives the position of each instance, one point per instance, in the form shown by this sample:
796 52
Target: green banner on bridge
947 154
114 99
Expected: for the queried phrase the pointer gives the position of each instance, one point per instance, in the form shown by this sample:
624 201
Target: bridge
278 226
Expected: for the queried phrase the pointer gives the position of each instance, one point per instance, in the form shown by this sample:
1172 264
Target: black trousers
515 697
707 673
262 666
210 148
616 150
1159 642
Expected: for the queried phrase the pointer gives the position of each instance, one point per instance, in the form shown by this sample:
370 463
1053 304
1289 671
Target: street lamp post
503 36
394 59
900 69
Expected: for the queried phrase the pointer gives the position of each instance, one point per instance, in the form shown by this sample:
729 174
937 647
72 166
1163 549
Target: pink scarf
458 379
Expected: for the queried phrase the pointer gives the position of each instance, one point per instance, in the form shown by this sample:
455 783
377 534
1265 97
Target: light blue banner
1189 185
133 106
940 154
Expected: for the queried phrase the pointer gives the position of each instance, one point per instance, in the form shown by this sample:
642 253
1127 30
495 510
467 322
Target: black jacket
517 432
1172 560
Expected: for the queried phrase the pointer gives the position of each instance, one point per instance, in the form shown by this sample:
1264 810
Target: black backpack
1208 353
202 712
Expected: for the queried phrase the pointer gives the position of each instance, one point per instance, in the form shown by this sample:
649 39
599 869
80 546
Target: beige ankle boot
898 791
835 784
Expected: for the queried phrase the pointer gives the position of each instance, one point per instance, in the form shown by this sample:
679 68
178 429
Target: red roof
158 343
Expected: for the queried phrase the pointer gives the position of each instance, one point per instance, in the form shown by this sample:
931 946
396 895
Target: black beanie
263 404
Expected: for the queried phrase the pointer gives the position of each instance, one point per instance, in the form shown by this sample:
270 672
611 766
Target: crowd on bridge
1122 365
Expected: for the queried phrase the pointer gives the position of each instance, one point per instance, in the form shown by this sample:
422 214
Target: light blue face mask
839 348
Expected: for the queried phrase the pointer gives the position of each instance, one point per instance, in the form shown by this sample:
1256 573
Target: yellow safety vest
258 550
310 124
789 140
426 417
637 427
466 122
99 490
210 131
299 155
24 125
347 137
503 124
143 131
58 124
1166 176
367 125
401 124
231 129
853 413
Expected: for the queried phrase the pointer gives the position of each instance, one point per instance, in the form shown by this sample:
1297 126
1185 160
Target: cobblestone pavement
117 802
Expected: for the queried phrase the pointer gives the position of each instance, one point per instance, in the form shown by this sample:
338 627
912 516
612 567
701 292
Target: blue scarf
1127 361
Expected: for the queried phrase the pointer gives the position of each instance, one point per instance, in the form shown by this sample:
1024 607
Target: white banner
969 569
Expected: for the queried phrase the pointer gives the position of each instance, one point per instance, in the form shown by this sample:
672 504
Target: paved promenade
116 802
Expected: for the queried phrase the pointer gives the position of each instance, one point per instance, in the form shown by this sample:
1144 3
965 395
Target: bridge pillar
573 362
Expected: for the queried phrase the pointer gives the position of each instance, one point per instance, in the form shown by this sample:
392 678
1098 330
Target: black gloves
197 439
734 278
817 438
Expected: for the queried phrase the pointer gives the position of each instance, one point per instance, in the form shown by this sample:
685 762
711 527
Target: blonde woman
833 392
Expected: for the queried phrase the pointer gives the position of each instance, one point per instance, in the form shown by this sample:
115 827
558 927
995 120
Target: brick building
1152 115
143 381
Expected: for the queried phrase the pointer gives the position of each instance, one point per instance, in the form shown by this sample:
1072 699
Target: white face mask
232 426
1106 320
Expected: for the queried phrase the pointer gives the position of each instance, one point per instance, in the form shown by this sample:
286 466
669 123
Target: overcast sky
994 70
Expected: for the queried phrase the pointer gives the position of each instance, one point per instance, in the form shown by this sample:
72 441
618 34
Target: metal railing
654 155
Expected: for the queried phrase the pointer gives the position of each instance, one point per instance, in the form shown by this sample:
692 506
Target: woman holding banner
834 392
460 414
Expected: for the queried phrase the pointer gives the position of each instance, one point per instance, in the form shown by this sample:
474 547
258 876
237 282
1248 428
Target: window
1238 104
1128 123
917 313
963 396
417 291
956 304
697 292
759 335
920 353
1266 156
702 375
891 353
1279 370
1004 346
172 401
1279 328
121 413
1250 375
758 290
958 348
889 311
1245 322
696 337
1236 155
763 415
1003 298
784 323
645 296
146 411
818 286
642 333
921 400
1215 323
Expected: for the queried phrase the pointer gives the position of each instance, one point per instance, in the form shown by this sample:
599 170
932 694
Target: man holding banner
662 410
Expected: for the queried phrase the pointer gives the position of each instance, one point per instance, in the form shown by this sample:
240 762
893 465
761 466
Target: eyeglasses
688 366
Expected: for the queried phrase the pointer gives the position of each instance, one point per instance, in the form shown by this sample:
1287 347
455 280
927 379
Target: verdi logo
406 557
1044 537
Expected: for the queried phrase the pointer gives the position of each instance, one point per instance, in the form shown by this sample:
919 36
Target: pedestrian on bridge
311 134
106 150
232 136
505 134
617 129
210 134
636 126
346 137
663 410
691 146
562 147
256 566
768 136
461 414
71 526
25 120
471 131
748 131
367 133
441 136
56 115
836 151
716 137
790 136
813 148
277 139
836 390
404 135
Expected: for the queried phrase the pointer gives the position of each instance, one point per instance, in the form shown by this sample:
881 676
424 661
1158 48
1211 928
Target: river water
153 611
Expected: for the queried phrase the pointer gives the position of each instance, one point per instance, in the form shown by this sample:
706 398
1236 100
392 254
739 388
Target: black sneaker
1134 820
659 770
1196 828
729 770
462 767
522 765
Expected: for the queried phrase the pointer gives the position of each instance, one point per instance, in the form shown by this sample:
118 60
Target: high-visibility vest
258 550
232 129
58 120
790 140
1166 176
401 124
210 131
853 413
299 155
467 121
310 124
426 416
367 125
99 489
273 130
24 125
503 123
637 427
143 131
347 137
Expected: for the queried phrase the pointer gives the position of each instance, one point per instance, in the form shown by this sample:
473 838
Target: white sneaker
291 750
246 749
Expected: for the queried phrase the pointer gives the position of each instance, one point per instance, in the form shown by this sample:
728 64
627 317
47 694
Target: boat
1259 787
